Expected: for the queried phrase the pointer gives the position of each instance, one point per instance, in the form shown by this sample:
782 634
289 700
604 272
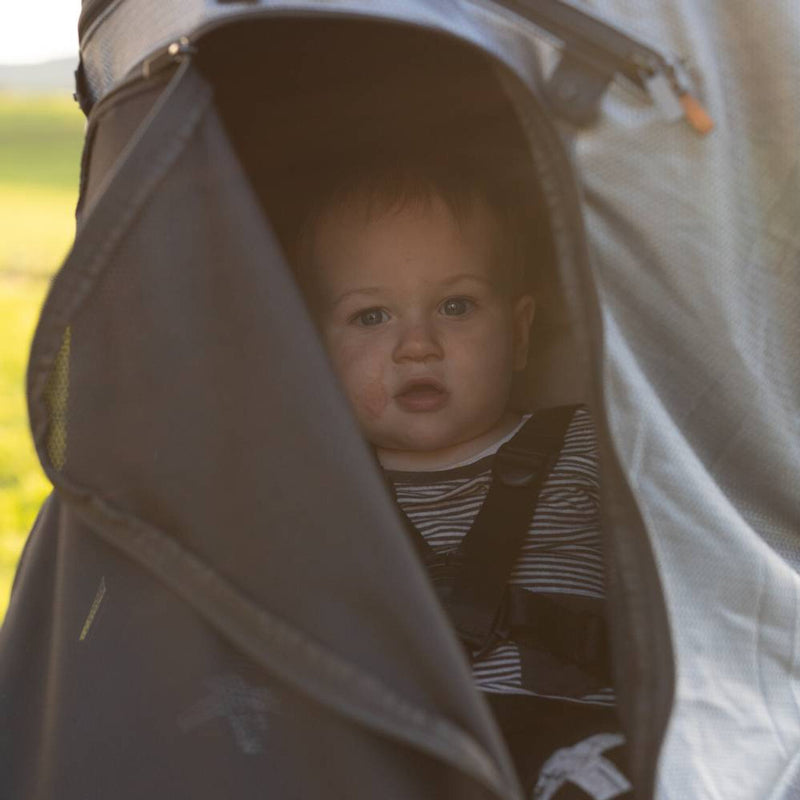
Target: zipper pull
694 111
696 114
594 52
668 84
172 54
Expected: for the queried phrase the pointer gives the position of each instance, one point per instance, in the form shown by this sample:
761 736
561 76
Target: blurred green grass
40 144
40 139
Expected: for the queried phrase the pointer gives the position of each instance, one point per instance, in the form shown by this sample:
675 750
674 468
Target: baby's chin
420 441
425 450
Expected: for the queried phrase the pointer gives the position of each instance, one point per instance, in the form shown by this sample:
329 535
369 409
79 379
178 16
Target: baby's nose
418 342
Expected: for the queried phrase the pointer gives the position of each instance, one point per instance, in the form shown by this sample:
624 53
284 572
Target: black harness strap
561 638
492 545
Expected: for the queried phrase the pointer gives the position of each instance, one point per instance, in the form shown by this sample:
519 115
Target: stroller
195 614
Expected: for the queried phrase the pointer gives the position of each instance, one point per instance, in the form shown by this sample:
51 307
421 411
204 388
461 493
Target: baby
422 316
416 276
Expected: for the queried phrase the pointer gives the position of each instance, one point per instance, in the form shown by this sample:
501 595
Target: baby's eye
371 317
456 306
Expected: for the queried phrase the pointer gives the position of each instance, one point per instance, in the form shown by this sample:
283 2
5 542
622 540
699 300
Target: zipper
595 51
166 58
610 52
184 48
172 54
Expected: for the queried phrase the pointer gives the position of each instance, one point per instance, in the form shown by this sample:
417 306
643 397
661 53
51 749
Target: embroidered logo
244 707
586 767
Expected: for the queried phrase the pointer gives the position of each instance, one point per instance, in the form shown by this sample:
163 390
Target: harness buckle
477 642
516 467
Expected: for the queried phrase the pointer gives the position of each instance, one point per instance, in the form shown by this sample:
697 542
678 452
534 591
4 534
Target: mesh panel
57 397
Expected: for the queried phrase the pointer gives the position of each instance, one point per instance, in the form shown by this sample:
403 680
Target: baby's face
416 321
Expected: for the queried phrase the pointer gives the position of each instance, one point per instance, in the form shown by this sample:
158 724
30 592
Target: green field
40 144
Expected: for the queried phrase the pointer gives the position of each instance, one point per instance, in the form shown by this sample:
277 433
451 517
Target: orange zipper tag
696 114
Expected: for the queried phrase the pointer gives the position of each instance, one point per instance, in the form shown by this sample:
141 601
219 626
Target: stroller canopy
218 600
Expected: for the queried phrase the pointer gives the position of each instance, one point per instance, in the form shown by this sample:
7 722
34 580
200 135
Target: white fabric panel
697 247
733 603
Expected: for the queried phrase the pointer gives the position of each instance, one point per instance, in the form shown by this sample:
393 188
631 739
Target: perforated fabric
697 252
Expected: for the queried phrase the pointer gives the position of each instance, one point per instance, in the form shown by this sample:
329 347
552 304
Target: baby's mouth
421 394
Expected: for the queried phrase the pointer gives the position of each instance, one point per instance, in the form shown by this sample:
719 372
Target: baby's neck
423 461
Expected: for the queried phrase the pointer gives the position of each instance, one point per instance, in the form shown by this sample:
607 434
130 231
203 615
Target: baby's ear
523 311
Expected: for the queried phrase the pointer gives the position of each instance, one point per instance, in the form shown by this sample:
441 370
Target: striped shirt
560 555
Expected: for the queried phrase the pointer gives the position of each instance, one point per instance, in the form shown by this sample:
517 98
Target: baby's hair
390 182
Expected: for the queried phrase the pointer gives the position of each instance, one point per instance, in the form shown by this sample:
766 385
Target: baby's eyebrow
444 284
367 290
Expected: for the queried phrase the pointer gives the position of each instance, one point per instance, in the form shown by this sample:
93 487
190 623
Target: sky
38 30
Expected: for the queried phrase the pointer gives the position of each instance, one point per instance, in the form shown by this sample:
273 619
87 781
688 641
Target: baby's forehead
360 233
362 216
348 231
364 205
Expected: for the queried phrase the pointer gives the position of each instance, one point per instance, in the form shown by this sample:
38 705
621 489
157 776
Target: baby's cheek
364 381
373 399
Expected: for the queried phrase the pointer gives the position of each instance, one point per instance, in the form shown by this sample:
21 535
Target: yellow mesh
56 396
